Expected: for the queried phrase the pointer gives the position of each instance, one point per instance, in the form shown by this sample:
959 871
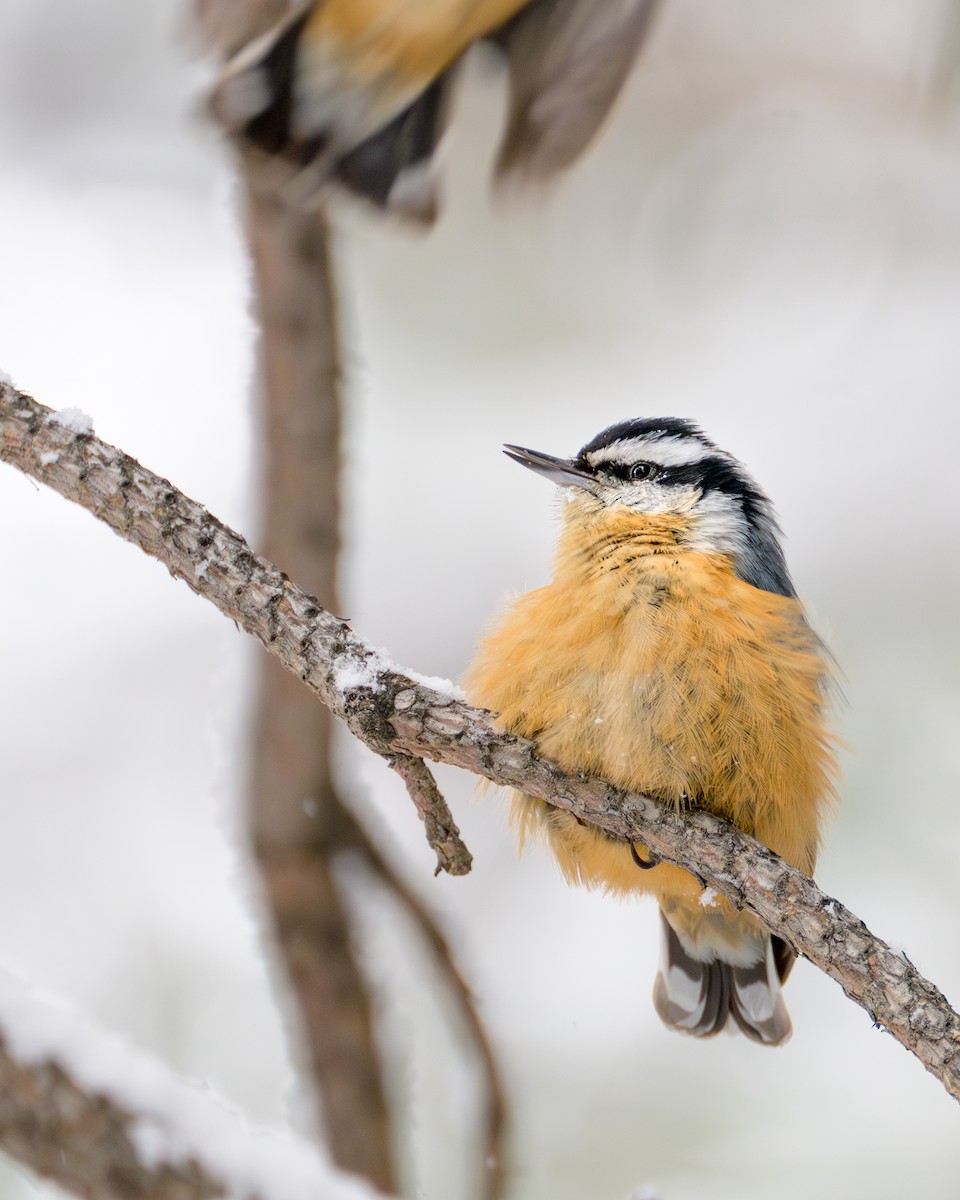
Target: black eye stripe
624 469
710 473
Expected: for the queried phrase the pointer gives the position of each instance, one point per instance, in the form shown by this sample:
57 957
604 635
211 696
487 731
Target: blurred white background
767 241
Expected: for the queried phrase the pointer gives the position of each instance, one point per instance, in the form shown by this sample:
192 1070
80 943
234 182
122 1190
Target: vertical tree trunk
298 822
299 825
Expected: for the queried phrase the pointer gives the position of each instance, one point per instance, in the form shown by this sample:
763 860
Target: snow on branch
105 1121
395 715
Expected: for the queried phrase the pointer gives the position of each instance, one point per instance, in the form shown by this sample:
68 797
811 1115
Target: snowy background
768 241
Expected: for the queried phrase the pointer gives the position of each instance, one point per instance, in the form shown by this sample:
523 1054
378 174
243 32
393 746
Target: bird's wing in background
568 60
361 95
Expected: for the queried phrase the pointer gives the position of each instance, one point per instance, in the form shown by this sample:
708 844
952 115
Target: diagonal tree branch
393 714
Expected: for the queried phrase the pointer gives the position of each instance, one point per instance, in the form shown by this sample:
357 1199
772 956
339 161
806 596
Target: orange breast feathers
656 668
412 41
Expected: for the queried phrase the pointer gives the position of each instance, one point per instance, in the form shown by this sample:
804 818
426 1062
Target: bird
669 655
357 92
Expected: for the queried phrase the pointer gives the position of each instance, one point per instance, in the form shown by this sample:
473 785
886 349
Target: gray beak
563 471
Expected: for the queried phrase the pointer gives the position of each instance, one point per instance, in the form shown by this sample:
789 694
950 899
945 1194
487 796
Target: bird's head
667 465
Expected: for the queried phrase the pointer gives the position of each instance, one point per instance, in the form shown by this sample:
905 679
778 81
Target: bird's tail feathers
393 167
702 997
254 96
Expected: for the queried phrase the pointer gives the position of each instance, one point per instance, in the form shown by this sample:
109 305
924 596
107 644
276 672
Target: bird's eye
643 470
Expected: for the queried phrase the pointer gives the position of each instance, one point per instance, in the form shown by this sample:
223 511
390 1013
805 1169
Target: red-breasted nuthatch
670 655
357 91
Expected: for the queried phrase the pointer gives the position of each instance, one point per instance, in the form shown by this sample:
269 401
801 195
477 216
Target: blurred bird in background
670 655
358 91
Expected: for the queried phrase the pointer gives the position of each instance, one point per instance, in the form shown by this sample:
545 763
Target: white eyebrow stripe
665 452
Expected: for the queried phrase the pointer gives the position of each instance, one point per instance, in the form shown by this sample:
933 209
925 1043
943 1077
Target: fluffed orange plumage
654 666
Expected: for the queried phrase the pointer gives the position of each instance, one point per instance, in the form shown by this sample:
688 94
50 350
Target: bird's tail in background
339 102
701 997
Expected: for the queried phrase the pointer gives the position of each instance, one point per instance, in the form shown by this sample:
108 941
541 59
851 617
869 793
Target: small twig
393 714
438 823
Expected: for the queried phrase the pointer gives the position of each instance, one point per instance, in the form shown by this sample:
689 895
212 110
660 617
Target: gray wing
568 60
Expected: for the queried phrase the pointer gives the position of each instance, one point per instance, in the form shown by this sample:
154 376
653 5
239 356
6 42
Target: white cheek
720 527
652 498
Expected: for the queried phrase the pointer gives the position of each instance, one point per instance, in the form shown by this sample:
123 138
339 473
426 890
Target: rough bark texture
393 714
438 823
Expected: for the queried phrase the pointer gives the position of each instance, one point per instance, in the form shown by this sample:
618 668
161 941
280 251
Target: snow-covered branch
105 1121
395 714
